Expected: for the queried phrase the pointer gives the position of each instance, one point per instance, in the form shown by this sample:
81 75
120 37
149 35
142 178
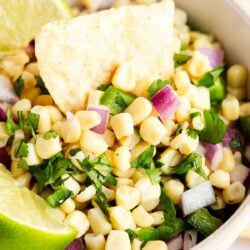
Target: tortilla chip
77 55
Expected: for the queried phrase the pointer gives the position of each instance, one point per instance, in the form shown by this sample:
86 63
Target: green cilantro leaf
21 150
102 201
194 161
103 87
145 159
23 164
11 126
214 130
167 206
195 114
131 234
58 197
181 59
74 151
156 86
50 134
116 100
179 129
208 79
41 85
154 175
192 133
19 85
31 122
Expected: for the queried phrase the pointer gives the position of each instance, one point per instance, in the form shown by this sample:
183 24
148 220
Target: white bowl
229 21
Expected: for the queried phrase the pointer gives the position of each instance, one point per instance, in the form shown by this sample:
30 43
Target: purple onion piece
7 93
176 243
104 114
77 244
2 115
5 157
215 56
165 102
190 239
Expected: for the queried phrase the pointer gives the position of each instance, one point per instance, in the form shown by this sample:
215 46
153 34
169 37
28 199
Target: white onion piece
104 114
7 93
201 149
165 102
213 154
190 239
197 197
240 173
215 56
176 243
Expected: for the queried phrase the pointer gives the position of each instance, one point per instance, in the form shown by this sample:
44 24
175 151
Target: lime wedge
27 222
20 20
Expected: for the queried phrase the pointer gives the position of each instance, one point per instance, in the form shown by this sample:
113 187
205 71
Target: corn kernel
235 193
118 239
220 179
142 218
174 189
95 242
230 108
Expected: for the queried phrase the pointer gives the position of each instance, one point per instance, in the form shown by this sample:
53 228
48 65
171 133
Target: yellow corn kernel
230 108
98 222
109 193
174 188
71 184
138 174
68 206
124 77
44 124
11 69
31 94
220 203
124 174
158 218
136 244
20 58
109 137
4 136
33 158
127 197
130 141
228 162
23 105
121 218
124 182
182 82
88 119
237 76
183 34
201 99
180 17
54 114
15 170
182 114
33 68
79 221
202 43
93 142
24 180
245 109
142 218
139 109
86 195
95 242
122 124
170 158
239 93
220 179
193 179
152 130
155 244
139 149
235 193
118 239
46 148
29 80
122 158
44 100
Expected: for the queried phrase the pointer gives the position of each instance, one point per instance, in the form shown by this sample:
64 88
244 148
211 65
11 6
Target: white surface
240 244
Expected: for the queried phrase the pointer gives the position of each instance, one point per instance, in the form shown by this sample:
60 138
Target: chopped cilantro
192 133
22 164
102 201
179 129
194 161
21 150
74 151
145 159
154 175
181 59
214 130
41 85
19 85
245 126
58 197
103 87
195 114
11 126
156 86
131 234
116 100
208 79
50 134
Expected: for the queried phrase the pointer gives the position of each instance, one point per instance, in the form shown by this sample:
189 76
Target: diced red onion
76 245
197 197
213 154
2 115
165 102
7 93
201 149
230 134
240 173
5 157
215 56
190 239
104 114
176 243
